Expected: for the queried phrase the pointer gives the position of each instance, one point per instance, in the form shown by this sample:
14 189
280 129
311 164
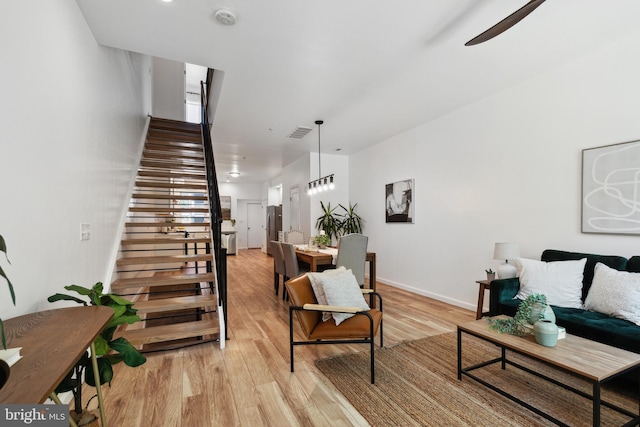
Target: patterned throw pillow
615 293
343 291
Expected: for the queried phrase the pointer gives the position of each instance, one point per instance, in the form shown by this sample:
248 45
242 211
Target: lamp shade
506 251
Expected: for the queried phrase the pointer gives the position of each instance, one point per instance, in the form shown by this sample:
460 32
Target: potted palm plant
329 222
350 221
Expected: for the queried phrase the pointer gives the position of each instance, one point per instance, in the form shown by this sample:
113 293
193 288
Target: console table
52 342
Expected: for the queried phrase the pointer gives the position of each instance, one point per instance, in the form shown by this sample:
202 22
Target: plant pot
4 372
491 276
546 332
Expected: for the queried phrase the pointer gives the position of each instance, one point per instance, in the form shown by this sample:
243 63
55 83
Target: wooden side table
52 342
482 285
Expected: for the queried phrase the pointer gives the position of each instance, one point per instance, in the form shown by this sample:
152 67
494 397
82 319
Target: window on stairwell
200 205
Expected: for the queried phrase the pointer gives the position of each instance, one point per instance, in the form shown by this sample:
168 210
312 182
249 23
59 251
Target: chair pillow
343 290
318 290
559 281
615 293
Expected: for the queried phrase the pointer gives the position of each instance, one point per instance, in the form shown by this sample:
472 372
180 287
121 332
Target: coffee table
591 360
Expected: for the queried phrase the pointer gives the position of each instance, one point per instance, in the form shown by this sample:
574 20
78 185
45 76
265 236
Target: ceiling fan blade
506 23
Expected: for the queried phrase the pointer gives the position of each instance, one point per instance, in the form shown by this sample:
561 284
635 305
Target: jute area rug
417 385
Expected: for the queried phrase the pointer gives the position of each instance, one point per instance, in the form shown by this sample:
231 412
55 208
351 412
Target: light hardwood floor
249 383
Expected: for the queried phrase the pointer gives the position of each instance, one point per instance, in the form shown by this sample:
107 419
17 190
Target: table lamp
506 251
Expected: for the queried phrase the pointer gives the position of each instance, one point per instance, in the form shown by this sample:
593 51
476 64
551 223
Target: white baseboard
438 297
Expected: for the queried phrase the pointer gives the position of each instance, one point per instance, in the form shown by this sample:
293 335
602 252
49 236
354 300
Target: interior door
254 225
294 208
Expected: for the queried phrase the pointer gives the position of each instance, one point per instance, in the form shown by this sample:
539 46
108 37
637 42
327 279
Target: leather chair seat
354 327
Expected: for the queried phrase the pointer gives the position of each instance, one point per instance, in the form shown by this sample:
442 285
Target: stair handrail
214 197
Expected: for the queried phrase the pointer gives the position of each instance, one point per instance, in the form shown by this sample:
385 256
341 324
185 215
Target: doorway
294 208
254 225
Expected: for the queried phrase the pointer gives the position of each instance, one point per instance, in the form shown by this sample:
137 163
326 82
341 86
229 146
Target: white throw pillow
615 293
318 290
344 291
559 281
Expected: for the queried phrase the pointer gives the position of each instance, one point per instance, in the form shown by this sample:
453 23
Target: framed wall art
399 201
225 206
611 189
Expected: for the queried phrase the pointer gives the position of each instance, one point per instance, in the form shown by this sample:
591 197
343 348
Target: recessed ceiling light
234 174
167 1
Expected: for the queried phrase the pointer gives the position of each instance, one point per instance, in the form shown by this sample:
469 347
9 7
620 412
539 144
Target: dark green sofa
596 326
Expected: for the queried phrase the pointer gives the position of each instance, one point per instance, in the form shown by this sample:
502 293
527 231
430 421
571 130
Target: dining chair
291 266
352 254
295 237
278 265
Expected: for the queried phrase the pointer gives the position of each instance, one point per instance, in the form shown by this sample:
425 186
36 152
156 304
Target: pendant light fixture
323 183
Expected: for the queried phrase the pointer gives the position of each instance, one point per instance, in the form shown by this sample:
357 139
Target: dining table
326 256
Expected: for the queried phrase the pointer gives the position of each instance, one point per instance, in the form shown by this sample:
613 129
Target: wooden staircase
166 265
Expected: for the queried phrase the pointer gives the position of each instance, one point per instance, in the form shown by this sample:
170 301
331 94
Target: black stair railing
214 199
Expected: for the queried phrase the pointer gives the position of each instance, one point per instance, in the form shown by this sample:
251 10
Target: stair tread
159 224
162 281
164 259
199 160
163 174
166 196
166 146
172 153
163 163
170 332
165 209
173 131
152 184
165 240
175 303
174 141
163 123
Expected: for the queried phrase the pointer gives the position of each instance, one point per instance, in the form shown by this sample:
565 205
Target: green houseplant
491 275
3 248
322 240
329 222
350 221
532 306
109 351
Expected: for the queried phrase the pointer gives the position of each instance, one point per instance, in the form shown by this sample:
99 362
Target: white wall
505 169
332 164
71 126
296 174
299 173
169 89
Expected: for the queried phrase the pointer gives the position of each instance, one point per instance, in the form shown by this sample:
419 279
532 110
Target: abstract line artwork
399 201
611 189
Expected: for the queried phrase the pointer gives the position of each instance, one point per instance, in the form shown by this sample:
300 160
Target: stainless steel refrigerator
274 224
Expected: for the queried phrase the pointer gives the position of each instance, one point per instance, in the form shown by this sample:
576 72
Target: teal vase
546 332
535 313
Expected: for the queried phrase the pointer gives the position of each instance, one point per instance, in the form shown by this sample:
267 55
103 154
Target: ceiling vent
299 132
